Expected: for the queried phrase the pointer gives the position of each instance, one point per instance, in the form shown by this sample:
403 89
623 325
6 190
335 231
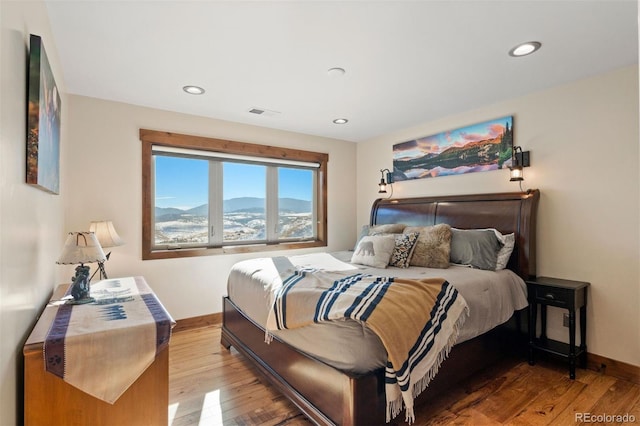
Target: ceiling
406 62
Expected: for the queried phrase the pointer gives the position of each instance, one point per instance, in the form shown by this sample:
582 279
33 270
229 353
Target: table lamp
81 248
108 237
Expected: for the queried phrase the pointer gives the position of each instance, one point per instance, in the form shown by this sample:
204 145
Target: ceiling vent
263 111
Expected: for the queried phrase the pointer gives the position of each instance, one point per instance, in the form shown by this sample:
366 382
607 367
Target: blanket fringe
268 337
395 407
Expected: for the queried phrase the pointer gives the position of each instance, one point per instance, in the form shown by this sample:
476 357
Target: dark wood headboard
507 212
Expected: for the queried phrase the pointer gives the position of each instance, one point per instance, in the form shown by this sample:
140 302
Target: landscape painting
43 121
477 148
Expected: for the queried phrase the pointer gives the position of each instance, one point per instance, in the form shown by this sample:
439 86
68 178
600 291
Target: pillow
508 241
476 247
391 228
404 246
364 231
374 251
433 246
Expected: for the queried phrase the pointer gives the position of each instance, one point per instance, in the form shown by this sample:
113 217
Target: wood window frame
149 138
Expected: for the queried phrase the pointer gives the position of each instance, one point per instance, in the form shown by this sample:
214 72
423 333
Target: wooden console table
51 401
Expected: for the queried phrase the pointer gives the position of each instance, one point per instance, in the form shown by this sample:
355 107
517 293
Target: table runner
103 347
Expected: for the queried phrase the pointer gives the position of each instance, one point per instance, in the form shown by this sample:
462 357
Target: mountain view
244 219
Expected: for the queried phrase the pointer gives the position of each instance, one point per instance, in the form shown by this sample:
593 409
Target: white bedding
492 298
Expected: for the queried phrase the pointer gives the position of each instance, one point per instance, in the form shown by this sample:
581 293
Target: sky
183 183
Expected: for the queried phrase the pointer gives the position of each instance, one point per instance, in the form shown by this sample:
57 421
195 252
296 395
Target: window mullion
314 204
272 216
216 216
152 190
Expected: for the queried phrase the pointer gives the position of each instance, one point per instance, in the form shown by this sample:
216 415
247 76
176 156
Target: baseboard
611 367
198 322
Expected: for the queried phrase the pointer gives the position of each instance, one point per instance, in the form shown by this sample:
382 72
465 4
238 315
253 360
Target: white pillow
508 241
374 251
389 228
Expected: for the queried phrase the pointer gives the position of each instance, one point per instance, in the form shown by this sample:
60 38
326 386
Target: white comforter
492 298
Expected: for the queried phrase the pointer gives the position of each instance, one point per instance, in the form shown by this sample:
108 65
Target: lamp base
80 288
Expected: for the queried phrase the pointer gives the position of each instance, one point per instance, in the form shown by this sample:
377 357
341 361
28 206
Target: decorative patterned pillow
433 246
374 251
404 246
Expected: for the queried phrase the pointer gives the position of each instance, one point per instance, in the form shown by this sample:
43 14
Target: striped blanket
416 320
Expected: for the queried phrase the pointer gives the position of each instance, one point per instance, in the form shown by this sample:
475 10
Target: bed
330 393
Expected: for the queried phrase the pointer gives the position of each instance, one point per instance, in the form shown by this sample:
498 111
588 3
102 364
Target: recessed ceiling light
525 49
340 121
193 90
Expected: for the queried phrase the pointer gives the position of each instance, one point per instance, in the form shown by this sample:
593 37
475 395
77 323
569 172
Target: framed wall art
475 148
43 121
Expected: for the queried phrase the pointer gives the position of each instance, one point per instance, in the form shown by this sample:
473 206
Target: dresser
51 401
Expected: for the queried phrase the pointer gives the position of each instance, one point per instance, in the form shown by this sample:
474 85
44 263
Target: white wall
30 219
583 139
103 182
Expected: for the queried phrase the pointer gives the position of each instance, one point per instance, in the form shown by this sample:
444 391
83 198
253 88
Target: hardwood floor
209 385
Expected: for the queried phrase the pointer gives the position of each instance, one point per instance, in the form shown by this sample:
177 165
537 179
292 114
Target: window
208 196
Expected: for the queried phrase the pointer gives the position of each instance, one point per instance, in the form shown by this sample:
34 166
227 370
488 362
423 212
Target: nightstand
567 294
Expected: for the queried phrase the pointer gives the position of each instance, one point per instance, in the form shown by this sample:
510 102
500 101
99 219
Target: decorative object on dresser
333 395
108 237
81 248
566 294
104 363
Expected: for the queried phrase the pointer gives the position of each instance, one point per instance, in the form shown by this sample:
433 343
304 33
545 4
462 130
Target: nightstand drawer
553 296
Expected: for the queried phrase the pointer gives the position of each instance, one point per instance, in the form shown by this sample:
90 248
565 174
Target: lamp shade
106 233
382 187
81 247
517 174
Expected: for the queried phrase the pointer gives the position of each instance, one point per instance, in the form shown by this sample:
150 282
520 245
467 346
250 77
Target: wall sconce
519 160
383 184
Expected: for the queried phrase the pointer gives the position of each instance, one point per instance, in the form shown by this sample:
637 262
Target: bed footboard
328 396
324 394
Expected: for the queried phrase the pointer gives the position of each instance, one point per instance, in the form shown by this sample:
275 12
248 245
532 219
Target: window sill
194 252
